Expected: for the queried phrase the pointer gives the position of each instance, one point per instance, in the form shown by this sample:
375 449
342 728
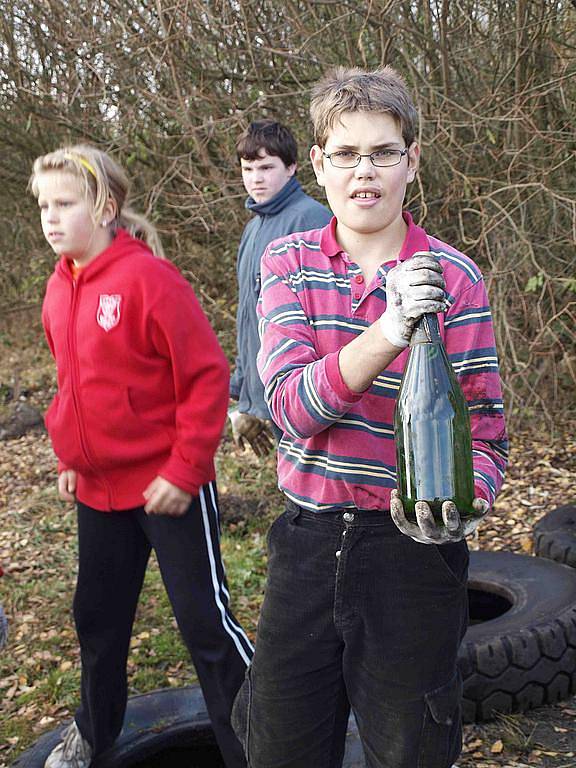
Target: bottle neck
426 331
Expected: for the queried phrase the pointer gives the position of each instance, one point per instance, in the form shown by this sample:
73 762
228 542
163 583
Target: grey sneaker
72 752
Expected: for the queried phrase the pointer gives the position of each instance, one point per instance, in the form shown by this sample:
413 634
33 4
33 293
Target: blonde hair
102 179
353 89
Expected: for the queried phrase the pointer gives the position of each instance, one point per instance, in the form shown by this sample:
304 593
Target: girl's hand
164 498
67 485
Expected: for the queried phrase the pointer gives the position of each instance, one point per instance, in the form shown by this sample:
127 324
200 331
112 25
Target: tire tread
498 678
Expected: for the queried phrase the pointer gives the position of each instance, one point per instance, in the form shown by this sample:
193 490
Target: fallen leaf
497 747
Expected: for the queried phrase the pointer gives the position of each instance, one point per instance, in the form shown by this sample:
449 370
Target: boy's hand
67 485
252 429
413 288
165 498
426 531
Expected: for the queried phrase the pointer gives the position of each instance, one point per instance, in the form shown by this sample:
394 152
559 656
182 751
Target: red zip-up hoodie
142 381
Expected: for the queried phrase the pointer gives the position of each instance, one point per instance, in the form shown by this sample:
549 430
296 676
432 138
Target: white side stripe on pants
217 511
233 629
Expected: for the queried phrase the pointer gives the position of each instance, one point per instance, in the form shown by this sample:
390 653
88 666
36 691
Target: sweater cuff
185 477
482 491
334 377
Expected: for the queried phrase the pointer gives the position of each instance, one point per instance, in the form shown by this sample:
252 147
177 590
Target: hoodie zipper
75 375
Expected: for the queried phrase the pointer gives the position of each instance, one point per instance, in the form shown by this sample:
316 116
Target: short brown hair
353 89
270 136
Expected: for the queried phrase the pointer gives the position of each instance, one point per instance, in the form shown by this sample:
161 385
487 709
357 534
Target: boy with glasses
357 613
267 153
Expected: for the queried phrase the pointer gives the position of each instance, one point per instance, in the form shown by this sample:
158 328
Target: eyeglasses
381 158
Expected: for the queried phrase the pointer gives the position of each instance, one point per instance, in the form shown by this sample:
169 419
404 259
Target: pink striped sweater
338 446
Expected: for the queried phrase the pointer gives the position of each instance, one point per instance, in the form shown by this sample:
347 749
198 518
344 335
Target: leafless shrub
167 86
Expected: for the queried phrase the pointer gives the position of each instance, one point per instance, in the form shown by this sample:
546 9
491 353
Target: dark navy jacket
290 210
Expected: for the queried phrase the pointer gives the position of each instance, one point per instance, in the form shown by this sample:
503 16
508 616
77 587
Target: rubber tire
168 719
555 535
523 657
171 724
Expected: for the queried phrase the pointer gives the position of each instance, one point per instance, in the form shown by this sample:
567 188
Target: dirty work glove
413 287
427 532
252 429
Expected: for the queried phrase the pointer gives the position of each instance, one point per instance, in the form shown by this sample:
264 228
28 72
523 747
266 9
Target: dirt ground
39 668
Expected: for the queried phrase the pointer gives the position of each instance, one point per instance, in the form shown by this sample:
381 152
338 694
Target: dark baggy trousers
113 553
355 614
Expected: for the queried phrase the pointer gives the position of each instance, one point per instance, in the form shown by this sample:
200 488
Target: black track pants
113 553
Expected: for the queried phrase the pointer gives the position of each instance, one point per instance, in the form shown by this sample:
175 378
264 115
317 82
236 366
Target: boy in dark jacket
267 152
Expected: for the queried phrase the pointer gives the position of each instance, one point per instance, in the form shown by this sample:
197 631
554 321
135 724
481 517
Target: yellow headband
82 161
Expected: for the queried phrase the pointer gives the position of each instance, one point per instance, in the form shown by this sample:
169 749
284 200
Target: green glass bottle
432 429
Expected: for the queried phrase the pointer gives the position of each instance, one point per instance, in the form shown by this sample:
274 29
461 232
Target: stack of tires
520 649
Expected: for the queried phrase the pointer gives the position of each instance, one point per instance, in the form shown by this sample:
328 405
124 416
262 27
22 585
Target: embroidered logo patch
108 315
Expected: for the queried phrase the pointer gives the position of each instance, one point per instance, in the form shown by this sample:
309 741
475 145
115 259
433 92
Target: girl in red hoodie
141 404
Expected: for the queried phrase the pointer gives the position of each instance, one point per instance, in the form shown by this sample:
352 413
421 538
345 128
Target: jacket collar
280 200
122 245
416 239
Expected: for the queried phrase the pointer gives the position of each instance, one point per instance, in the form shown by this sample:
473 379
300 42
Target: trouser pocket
442 731
240 716
455 559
